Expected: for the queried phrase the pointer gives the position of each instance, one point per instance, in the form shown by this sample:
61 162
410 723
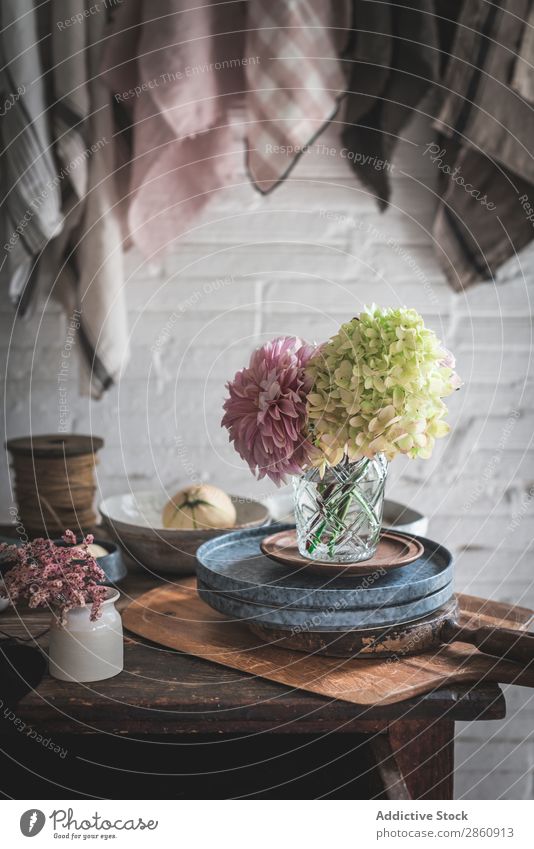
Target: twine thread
55 493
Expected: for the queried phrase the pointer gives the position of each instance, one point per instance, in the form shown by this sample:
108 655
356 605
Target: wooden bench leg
391 777
423 753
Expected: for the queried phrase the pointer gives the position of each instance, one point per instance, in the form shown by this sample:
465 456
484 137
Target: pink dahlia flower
266 410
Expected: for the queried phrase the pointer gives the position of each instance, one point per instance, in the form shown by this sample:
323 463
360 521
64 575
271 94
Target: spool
54 481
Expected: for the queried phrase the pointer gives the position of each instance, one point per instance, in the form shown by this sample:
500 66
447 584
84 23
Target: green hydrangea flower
378 386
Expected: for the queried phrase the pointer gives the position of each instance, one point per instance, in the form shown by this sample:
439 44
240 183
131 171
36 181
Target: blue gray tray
234 565
329 619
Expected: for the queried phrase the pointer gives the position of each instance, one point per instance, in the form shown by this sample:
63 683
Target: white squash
199 507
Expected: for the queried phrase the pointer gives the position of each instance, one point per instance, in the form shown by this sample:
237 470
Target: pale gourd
199 507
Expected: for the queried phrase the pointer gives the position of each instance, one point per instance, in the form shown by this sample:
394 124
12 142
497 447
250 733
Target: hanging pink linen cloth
295 86
175 67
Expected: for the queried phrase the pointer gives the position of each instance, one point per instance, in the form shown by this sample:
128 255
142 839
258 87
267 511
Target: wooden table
162 692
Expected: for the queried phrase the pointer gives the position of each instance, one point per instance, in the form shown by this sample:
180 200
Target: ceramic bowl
111 563
396 516
399 517
135 521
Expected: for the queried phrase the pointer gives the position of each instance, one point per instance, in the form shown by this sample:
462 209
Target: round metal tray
234 564
328 619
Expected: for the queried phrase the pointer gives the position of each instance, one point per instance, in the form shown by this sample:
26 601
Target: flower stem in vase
336 500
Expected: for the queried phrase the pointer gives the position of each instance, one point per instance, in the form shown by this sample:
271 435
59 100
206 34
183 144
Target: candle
97 550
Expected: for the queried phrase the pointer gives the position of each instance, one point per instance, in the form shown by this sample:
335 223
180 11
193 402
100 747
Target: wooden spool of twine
54 481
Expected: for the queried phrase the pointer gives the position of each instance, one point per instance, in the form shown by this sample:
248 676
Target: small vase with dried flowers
86 642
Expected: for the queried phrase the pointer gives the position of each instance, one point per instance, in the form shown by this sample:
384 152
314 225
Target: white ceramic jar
83 650
4 602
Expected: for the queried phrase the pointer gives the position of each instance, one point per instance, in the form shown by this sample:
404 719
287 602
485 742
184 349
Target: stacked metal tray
237 579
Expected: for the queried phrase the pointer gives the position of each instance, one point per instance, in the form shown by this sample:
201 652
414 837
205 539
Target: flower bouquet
333 416
58 577
85 641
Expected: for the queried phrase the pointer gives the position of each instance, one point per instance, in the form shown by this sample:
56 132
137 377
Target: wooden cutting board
175 617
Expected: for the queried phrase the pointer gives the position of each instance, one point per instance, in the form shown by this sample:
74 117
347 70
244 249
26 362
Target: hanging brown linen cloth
485 153
523 79
394 63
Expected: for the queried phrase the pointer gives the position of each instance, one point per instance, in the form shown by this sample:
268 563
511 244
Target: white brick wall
300 261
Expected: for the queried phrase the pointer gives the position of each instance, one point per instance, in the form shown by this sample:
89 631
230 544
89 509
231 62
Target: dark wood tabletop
164 691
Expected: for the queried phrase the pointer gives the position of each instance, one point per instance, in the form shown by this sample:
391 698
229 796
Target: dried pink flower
265 412
50 575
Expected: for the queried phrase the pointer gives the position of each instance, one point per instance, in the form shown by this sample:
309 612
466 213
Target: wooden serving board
175 617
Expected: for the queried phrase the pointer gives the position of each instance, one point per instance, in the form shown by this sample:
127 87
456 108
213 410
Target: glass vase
339 517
